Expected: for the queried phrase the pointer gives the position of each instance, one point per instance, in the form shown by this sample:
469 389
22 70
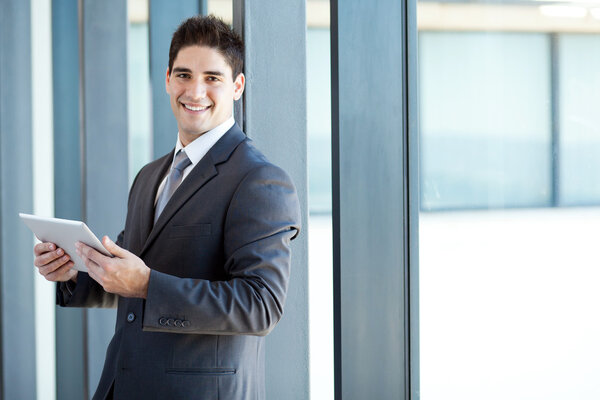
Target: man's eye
183 76
212 78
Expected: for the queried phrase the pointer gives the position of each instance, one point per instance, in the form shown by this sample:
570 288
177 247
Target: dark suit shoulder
248 157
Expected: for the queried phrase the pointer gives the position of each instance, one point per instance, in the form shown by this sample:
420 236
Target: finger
87 252
61 273
47 258
113 248
42 248
54 265
95 272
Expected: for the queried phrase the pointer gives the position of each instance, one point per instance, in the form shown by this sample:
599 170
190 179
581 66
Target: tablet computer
64 233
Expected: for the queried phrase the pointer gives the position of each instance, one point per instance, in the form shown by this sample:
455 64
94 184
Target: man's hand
125 274
53 264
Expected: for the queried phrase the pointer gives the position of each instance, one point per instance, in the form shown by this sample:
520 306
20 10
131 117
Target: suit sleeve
262 219
86 292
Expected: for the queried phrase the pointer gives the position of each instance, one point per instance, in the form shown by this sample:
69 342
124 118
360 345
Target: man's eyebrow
216 73
181 69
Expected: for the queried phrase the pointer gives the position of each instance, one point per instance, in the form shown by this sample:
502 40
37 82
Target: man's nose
197 90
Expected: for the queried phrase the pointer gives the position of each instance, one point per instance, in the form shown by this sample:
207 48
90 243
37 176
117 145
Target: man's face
202 91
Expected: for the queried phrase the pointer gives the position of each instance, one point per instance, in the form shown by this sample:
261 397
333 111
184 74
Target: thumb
113 248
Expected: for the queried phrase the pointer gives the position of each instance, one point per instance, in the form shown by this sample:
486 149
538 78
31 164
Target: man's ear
238 86
167 80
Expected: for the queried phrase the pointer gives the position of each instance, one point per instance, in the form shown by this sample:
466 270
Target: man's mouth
195 108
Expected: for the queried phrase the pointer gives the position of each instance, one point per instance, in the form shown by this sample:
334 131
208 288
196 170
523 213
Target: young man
201 270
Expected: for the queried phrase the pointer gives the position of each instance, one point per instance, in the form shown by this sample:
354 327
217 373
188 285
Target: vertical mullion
411 79
335 197
555 120
70 354
83 185
374 199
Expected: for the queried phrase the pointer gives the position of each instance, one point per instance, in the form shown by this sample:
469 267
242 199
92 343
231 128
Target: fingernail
51 247
59 252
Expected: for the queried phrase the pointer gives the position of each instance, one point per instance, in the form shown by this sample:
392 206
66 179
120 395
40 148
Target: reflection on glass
318 87
510 136
138 81
579 88
485 130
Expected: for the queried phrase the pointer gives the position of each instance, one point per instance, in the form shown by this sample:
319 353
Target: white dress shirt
196 150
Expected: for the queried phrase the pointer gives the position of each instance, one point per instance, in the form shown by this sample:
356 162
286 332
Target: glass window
579 89
318 85
138 81
485 120
509 135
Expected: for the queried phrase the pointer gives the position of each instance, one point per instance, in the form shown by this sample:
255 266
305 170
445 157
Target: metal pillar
374 197
71 376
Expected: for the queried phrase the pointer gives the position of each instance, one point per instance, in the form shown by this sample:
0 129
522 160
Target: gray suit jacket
220 260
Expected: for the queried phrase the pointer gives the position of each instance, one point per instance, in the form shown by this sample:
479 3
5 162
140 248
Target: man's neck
222 127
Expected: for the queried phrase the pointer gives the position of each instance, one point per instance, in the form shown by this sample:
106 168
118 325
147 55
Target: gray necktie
173 180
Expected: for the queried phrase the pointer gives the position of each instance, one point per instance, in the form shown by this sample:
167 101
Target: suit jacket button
178 323
130 317
185 324
162 321
170 322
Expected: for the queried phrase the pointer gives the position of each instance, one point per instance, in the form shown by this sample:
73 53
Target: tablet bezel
64 233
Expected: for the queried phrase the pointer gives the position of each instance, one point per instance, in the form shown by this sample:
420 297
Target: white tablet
64 233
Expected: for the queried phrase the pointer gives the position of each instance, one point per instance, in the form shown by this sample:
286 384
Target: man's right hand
53 263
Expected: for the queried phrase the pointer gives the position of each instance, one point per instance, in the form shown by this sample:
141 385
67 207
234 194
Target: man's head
211 32
204 75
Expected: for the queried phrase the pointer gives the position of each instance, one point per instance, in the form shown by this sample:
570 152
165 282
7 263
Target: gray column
412 373
105 145
17 338
275 118
374 197
71 375
165 17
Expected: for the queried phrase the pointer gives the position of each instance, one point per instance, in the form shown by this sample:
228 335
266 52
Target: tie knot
181 161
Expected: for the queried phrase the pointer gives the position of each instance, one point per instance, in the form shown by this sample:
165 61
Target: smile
192 108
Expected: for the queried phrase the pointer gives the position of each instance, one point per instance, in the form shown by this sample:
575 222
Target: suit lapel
203 172
149 195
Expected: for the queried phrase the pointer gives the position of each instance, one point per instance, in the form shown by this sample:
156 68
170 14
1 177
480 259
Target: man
201 270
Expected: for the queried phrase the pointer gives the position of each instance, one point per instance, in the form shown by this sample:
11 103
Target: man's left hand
125 274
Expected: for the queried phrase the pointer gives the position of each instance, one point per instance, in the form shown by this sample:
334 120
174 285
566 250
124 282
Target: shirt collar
201 145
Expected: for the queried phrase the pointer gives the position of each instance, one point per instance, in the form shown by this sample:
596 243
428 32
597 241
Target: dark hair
212 32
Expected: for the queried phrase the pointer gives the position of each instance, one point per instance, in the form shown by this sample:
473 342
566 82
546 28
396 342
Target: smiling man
200 272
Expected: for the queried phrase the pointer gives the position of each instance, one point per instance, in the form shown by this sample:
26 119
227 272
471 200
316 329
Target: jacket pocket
201 371
183 231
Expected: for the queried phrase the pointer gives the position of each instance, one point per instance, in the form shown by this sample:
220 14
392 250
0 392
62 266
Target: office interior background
499 144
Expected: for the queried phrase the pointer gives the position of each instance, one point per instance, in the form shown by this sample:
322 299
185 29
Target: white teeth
194 108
